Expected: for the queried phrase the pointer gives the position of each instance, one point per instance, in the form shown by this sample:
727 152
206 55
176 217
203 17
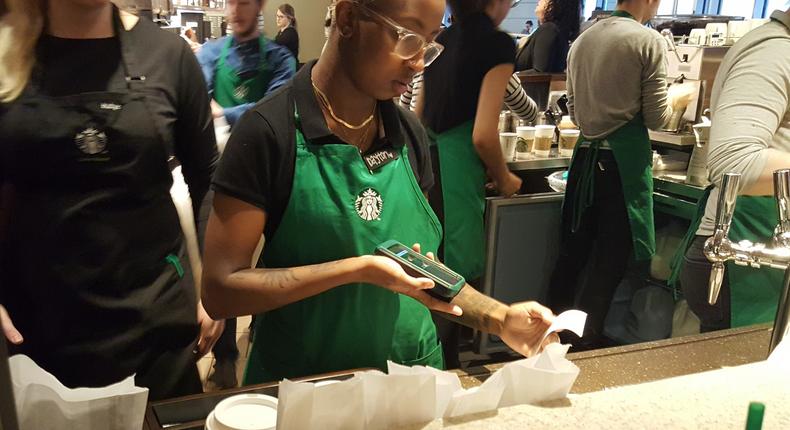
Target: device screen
426 264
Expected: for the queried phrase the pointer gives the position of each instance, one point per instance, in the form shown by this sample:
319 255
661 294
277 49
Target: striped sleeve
408 100
519 102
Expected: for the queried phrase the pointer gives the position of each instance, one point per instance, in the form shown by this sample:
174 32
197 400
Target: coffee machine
696 64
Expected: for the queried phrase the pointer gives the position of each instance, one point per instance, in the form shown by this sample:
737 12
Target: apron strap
586 184
134 79
677 259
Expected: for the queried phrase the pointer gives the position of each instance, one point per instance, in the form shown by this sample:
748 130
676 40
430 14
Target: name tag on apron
380 158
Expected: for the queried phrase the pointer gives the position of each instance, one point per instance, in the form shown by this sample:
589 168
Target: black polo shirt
257 166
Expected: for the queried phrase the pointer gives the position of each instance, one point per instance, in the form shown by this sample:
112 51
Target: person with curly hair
546 50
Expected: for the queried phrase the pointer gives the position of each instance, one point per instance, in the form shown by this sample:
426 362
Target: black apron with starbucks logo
90 269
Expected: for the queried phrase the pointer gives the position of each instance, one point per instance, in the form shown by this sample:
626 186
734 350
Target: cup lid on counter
244 412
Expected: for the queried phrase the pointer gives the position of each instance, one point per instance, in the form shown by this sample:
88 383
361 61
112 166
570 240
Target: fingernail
457 311
16 339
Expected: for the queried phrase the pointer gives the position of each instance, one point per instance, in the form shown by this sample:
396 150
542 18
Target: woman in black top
287 35
464 92
91 248
546 50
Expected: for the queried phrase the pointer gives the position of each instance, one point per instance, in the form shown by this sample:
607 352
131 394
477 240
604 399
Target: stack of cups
568 139
525 142
508 143
544 137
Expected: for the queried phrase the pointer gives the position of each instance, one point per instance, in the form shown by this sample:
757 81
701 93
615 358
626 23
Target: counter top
716 399
644 362
600 369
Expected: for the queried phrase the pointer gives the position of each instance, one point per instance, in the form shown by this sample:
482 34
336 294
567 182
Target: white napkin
42 402
476 400
572 320
547 376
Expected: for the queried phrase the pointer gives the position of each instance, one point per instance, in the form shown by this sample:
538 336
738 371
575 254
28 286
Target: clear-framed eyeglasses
409 44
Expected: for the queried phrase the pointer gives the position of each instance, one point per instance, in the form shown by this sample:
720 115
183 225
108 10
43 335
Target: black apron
91 262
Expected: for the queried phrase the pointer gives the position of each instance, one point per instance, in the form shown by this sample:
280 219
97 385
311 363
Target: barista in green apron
325 191
607 215
463 95
750 135
243 68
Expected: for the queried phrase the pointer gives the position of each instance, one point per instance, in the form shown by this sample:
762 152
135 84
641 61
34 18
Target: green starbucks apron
339 209
231 90
463 190
754 293
630 145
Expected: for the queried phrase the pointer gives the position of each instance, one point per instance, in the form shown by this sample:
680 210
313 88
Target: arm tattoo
480 311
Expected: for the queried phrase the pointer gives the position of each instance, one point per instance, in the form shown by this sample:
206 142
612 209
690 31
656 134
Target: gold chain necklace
325 102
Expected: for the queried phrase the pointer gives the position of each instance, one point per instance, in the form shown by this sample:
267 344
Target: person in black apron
92 253
240 70
463 94
328 169
607 214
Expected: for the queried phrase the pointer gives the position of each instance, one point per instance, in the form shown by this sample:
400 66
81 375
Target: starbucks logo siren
368 205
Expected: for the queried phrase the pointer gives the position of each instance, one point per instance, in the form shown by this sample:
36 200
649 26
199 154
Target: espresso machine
720 250
696 64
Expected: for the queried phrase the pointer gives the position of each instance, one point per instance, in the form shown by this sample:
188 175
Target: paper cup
244 412
508 143
544 138
568 139
524 142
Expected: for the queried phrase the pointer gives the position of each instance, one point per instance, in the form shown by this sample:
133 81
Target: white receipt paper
572 320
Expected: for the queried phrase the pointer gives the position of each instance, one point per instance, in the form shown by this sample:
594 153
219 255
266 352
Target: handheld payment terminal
448 283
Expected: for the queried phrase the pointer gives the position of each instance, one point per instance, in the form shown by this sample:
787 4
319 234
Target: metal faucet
670 39
719 249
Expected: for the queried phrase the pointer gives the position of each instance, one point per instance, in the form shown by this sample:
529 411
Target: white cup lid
246 412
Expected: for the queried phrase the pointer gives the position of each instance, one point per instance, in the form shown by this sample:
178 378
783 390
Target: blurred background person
287 34
528 27
242 68
546 50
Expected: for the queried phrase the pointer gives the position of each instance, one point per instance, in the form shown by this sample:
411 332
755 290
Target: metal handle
782 193
728 194
714 286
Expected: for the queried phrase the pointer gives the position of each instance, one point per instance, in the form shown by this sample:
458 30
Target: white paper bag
42 402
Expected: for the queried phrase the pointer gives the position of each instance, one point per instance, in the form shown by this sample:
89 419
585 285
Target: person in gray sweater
617 89
750 135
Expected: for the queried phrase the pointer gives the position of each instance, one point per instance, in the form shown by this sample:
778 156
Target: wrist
362 269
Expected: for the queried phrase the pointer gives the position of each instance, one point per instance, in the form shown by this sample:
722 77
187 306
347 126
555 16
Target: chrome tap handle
716 279
728 194
782 193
